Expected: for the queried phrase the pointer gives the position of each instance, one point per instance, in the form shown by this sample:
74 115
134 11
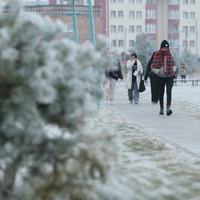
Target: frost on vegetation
49 88
156 168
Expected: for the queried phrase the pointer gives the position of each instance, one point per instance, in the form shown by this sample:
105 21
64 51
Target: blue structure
74 13
69 31
76 40
91 21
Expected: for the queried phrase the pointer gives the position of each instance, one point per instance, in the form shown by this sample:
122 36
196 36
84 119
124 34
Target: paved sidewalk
181 128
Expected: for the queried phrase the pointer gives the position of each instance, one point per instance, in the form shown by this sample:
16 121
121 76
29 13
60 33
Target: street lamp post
125 45
196 37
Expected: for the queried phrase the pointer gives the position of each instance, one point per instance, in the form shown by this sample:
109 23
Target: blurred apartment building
178 21
56 2
62 10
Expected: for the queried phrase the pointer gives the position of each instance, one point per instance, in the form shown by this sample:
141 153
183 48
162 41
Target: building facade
174 20
67 2
178 21
63 12
126 20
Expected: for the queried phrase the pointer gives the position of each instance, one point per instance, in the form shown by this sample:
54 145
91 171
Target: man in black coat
153 81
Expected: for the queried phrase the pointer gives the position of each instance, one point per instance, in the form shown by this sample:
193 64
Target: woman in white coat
135 70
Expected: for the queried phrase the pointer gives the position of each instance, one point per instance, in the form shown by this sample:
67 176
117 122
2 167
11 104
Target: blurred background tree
144 47
190 61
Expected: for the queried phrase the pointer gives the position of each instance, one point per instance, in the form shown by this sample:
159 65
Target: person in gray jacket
111 78
164 66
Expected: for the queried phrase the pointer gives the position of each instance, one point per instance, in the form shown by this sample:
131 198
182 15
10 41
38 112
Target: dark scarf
158 61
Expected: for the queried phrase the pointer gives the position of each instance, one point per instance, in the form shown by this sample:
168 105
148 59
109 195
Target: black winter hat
164 44
134 54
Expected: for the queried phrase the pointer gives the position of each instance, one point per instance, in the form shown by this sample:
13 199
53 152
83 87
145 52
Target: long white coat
129 74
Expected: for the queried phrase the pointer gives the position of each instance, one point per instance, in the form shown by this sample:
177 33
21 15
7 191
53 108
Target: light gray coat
129 65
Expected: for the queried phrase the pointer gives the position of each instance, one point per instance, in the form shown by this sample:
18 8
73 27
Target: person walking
164 66
153 81
135 71
111 78
183 72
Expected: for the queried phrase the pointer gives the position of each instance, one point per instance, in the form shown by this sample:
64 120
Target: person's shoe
106 102
168 111
161 111
131 102
111 102
136 102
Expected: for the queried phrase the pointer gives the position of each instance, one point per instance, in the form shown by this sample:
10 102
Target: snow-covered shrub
49 88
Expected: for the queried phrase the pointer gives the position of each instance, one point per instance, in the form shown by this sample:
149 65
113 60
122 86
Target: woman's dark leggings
161 85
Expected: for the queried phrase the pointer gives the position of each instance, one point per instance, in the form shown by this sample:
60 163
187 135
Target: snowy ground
158 168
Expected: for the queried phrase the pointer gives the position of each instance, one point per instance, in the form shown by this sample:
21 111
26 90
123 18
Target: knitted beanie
164 44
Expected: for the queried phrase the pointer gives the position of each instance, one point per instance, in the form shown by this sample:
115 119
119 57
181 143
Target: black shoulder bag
141 86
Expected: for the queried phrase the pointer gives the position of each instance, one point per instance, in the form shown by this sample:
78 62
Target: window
150 14
139 15
131 43
150 28
120 29
192 15
120 14
173 2
131 14
131 1
138 29
120 1
113 1
131 29
44 2
34 2
192 44
113 14
120 43
173 28
185 29
113 43
113 29
185 1
192 29
174 42
173 14
185 15
149 1
139 1
192 2
185 43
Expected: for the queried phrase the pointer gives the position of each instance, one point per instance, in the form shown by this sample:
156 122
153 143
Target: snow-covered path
160 154
181 128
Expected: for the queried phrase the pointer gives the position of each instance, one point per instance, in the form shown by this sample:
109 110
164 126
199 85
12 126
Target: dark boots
161 110
169 111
